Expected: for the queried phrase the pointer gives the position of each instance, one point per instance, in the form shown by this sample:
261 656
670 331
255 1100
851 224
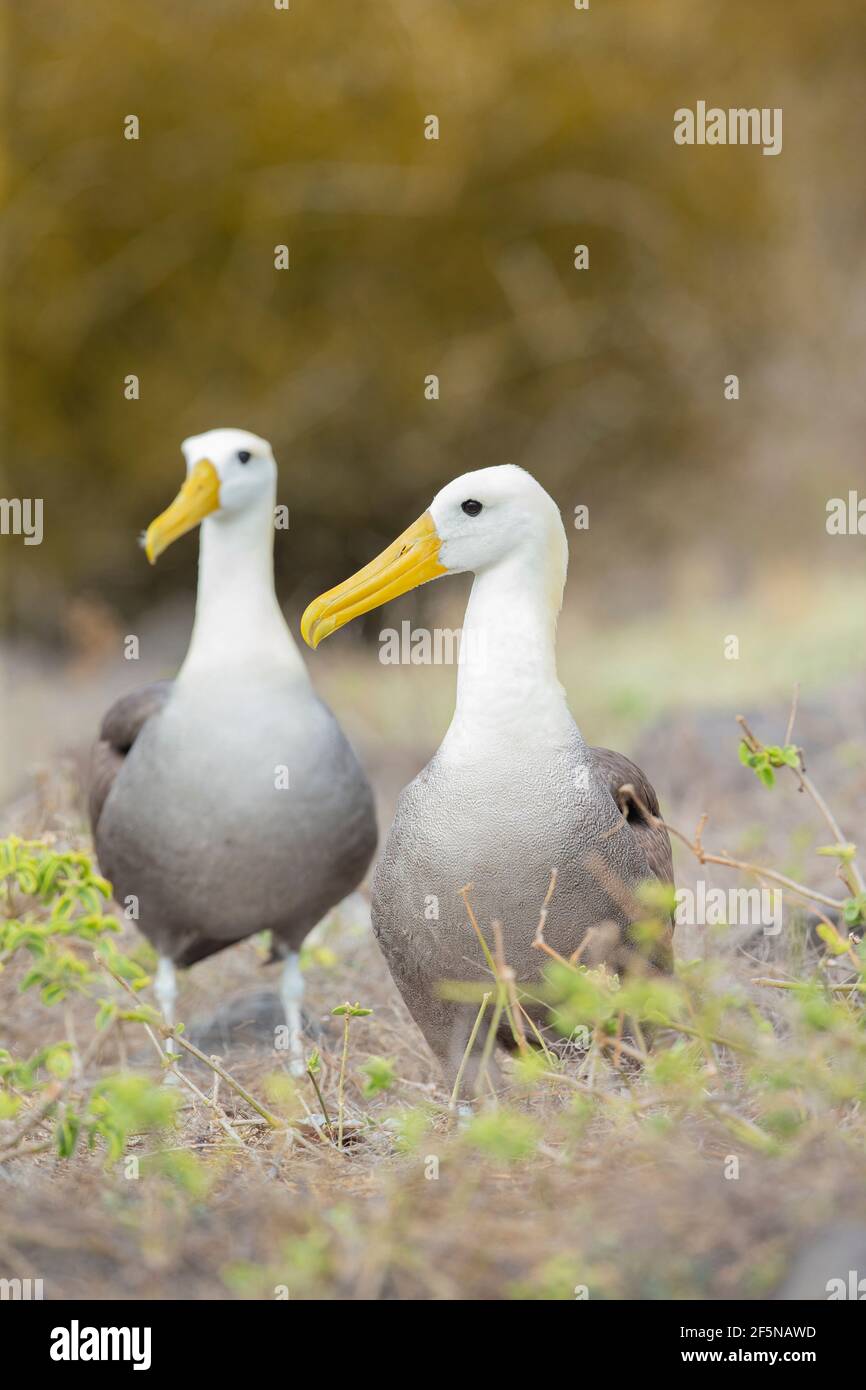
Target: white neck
507 686
238 621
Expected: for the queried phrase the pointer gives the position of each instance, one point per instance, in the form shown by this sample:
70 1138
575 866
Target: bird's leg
291 994
165 989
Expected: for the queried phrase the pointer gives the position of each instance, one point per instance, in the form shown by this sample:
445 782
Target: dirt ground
619 1201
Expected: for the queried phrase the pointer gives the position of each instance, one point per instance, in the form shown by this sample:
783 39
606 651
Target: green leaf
380 1075
58 1060
353 1010
66 1134
506 1136
836 944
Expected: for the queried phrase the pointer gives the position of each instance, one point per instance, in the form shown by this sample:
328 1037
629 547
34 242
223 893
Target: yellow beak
199 496
410 560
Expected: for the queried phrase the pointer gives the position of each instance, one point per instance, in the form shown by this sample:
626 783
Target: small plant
506 1136
764 759
380 1075
314 1067
345 1011
56 915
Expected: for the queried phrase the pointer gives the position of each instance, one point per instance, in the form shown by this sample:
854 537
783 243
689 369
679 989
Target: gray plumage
503 825
513 793
189 818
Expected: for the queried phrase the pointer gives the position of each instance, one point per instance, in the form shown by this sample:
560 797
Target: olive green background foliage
408 256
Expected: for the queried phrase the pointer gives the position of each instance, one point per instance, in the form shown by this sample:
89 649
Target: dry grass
593 1178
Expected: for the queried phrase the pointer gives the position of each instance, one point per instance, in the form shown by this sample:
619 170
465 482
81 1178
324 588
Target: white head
229 473
496 518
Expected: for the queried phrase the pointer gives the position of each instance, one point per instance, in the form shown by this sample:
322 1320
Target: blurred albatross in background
513 792
228 802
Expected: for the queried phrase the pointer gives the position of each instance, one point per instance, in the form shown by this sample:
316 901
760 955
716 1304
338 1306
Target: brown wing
120 728
621 775
638 802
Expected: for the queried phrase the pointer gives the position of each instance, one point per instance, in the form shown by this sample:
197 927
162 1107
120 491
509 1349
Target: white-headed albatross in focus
228 801
513 792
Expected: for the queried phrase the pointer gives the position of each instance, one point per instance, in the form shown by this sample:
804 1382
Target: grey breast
502 826
235 811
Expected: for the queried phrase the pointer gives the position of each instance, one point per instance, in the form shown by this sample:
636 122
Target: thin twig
452 1104
491 963
808 786
538 940
506 974
795 700
492 1033
321 1098
342 1082
200 1056
56 1089
858 986
705 857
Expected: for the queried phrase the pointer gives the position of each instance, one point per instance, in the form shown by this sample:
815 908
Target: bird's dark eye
244 455
471 507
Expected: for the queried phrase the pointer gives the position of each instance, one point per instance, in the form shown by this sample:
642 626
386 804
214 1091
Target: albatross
514 792
229 802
